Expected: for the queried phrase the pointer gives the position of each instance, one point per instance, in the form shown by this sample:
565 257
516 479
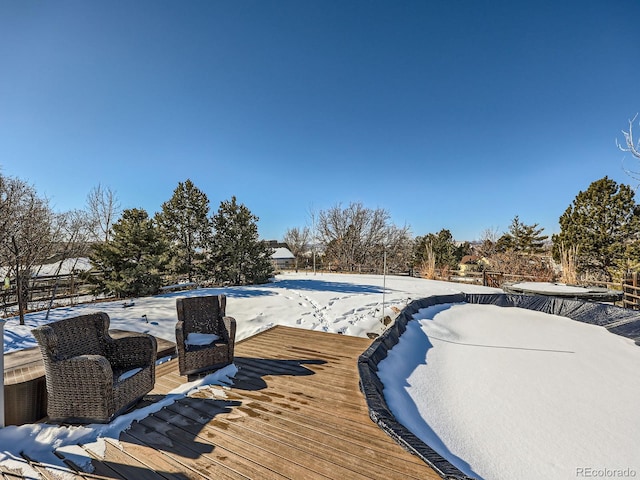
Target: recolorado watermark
593 472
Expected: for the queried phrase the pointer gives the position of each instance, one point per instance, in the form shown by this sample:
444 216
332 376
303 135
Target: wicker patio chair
90 376
205 337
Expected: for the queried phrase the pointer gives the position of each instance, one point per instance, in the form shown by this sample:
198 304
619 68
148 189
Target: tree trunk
19 292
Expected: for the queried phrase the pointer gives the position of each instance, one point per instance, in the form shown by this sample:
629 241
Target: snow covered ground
348 304
527 375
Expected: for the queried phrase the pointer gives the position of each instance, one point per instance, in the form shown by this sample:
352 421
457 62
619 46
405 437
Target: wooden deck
295 411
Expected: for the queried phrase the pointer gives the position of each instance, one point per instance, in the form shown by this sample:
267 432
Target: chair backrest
202 314
70 337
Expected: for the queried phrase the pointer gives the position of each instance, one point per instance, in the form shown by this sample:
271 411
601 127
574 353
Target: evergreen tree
131 261
238 256
444 249
522 238
601 222
185 225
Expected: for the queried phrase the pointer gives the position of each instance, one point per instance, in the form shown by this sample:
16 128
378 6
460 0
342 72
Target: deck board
295 411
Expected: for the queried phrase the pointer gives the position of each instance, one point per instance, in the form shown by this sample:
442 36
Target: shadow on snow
324 286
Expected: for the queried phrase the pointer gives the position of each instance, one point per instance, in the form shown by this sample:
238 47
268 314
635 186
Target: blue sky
446 113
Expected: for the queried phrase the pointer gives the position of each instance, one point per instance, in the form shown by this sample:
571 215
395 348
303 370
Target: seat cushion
194 339
127 374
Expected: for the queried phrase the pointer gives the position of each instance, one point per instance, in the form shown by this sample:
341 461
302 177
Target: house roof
282 253
468 259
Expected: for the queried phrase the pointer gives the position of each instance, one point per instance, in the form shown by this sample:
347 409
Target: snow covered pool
504 392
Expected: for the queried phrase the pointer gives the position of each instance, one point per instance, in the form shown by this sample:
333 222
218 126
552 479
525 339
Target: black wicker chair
204 317
90 376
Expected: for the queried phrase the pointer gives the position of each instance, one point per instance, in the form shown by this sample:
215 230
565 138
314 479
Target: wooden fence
71 287
497 279
631 291
46 289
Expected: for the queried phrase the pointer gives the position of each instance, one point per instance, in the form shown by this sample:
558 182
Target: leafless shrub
525 265
569 261
445 272
428 266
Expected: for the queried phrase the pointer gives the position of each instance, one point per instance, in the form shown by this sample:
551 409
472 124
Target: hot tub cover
598 294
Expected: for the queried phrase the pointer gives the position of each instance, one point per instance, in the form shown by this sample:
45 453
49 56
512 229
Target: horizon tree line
133 252
599 238
600 230
185 242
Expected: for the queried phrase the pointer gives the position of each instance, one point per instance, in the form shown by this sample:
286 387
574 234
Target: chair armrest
131 351
180 334
48 341
229 329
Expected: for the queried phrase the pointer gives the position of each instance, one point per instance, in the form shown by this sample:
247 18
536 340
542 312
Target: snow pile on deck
39 441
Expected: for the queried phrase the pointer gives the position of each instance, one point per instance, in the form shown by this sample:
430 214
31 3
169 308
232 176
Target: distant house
469 263
282 258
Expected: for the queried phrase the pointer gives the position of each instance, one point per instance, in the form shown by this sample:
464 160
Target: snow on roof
68 265
282 253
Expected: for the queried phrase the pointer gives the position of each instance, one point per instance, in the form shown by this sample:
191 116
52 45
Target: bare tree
356 237
27 236
488 242
104 208
524 266
398 246
314 237
8 192
631 145
298 241
73 230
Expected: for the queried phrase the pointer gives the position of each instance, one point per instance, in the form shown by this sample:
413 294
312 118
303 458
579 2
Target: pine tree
131 261
185 224
446 254
238 256
601 222
522 238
